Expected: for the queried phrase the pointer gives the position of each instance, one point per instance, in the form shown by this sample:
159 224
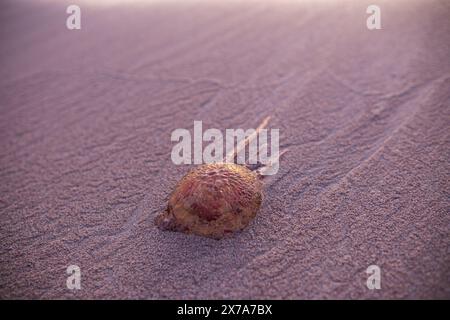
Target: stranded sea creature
217 199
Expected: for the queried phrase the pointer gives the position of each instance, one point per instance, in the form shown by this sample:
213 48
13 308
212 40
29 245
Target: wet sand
85 125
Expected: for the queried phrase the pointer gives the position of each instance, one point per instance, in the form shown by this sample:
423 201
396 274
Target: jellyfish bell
213 200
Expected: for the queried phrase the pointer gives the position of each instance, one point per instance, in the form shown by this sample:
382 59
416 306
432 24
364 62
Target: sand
85 166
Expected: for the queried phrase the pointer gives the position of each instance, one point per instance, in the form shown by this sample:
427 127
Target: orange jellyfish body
213 200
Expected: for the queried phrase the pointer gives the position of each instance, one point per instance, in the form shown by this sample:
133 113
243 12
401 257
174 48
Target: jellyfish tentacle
231 156
272 160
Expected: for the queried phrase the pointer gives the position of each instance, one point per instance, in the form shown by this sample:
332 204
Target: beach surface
85 153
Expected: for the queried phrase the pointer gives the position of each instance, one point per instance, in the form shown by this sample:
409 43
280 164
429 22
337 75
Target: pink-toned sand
85 166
